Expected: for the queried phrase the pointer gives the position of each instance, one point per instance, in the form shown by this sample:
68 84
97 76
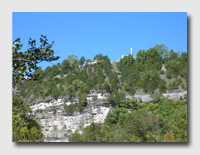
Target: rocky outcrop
55 123
142 98
175 95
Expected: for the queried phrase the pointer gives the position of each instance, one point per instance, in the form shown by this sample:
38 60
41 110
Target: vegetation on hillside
74 76
163 121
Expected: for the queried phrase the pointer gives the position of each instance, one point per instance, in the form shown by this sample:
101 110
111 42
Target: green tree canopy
82 60
23 63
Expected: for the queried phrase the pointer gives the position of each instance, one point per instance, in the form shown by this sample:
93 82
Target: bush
169 74
162 86
162 72
70 108
38 111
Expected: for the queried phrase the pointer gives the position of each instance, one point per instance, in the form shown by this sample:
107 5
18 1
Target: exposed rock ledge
55 125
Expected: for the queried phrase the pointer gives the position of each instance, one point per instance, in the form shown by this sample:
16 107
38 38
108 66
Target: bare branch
22 60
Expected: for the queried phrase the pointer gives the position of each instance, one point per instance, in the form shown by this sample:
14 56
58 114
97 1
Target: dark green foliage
75 137
150 80
65 67
169 74
177 66
175 84
112 119
83 76
113 85
184 56
70 108
38 111
55 70
23 63
128 60
81 102
162 86
82 60
153 59
116 97
106 87
113 79
24 127
136 124
170 111
173 55
92 133
55 92
141 56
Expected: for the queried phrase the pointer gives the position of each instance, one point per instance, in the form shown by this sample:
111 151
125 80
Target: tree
137 124
88 61
106 87
75 137
24 127
82 60
65 67
55 70
92 133
162 86
153 59
128 60
82 102
55 92
184 56
74 62
141 56
173 55
116 97
113 85
70 108
178 133
163 50
23 63
150 80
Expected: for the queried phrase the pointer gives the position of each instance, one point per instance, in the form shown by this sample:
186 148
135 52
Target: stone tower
131 51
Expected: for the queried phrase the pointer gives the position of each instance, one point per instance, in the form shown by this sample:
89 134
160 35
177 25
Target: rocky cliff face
56 123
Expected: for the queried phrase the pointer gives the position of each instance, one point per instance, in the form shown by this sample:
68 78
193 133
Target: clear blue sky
113 34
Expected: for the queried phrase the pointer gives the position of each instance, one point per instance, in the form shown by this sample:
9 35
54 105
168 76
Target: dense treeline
144 72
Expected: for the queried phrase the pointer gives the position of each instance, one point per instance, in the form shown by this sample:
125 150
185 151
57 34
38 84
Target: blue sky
110 33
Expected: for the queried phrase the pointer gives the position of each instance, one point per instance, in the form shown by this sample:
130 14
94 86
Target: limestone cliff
56 123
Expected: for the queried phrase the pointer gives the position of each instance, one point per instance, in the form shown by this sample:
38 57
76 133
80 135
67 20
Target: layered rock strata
56 123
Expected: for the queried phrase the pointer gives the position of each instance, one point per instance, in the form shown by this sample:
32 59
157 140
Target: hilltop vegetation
75 78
